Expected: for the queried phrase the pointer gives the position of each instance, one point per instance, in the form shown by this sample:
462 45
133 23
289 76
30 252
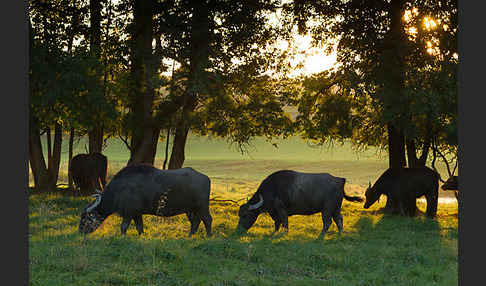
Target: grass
375 249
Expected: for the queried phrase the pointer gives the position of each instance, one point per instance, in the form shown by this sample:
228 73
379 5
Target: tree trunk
413 160
166 147
199 59
425 152
95 134
155 142
144 132
70 157
394 65
45 176
396 155
396 148
49 146
412 154
55 161
177 155
95 139
427 144
36 157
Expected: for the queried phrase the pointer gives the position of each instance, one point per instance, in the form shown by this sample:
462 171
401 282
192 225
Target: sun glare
429 23
310 60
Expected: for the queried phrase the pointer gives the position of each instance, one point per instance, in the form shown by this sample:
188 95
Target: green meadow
374 249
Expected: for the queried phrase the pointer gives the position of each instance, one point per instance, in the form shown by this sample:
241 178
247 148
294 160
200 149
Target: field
374 249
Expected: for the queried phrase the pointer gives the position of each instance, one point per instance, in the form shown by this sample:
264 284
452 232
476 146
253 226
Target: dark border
14 117
471 155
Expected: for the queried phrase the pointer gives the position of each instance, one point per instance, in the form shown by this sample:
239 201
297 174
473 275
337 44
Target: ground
374 249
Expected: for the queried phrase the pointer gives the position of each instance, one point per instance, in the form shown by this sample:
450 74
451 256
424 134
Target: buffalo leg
389 205
338 220
432 200
207 220
125 224
412 206
195 221
282 214
326 222
276 219
402 207
139 224
398 205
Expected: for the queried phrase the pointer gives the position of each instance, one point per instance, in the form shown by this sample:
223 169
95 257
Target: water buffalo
286 193
89 171
403 186
452 185
143 189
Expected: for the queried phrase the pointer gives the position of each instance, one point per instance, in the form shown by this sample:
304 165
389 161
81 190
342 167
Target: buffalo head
451 184
248 214
91 218
371 196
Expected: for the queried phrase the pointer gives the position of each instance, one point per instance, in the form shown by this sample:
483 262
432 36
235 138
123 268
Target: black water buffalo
285 193
143 189
452 184
403 186
89 171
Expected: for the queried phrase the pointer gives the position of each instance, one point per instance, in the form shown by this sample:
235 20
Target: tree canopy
396 73
133 68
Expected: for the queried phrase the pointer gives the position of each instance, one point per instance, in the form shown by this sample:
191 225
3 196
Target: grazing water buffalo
143 189
89 171
403 186
452 185
285 193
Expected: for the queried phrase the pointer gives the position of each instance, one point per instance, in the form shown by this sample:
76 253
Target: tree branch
124 140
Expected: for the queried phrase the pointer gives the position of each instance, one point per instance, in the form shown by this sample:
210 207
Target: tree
145 133
199 38
60 83
95 133
46 64
222 49
395 73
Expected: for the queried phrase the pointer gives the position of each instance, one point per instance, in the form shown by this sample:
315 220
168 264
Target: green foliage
384 74
63 82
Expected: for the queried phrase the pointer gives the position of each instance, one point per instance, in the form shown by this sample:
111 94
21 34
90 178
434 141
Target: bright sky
313 59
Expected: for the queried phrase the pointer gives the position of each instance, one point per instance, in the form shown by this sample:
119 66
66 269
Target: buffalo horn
257 205
96 203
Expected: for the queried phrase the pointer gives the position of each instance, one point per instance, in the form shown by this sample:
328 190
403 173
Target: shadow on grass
400 228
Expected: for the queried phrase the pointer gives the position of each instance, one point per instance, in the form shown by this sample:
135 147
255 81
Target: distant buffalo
143 189
452 184
89 171
286 193
403 186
